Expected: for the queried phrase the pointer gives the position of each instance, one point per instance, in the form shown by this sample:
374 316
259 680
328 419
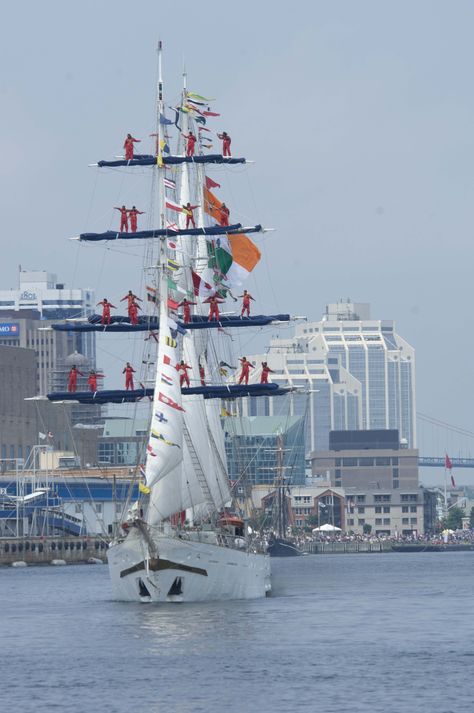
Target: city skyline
372 199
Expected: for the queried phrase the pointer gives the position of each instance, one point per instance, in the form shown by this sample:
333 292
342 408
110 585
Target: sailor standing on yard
129 371
190 143
245 372
72 378
226 141
106 307
128 146
134 213
123 219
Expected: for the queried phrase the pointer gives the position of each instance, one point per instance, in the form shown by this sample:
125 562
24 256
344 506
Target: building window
408 498
381 498
413 521
382 461
395 472
366 461
378 508
394 461
361 510
98 507
351 462
386 508
405 508
396 484
405 520
361 521
78 508
378 520
361 498
338 472
412 508
386 521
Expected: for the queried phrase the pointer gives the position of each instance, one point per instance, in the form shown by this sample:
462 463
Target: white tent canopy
327 528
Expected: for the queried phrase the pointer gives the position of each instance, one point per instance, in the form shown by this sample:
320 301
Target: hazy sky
358 114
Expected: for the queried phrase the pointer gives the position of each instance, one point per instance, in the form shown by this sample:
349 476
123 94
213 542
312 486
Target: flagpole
445 490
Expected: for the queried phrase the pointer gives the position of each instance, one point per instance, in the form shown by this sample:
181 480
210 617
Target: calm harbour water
342 633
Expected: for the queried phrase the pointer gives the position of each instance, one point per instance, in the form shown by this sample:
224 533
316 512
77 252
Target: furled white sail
165 442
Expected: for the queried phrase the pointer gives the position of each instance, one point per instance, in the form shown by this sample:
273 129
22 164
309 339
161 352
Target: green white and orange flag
235 256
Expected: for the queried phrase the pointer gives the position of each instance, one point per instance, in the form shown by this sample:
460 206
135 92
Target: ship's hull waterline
185 571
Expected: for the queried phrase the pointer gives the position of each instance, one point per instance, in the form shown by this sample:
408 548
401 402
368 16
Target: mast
160 136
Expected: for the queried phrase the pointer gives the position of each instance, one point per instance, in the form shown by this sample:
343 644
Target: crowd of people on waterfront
438 538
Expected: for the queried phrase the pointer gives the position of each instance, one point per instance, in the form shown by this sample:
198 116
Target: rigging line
437 422
67 420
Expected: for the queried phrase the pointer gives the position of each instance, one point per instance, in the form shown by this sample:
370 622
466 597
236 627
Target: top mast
160 137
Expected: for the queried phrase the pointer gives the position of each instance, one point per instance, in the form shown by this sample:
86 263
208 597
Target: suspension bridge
437 436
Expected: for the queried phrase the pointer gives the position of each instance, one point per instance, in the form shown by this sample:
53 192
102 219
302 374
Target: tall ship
181 541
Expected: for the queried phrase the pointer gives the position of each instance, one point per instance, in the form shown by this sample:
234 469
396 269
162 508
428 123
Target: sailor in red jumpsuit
72 378
244 374
133 313
202 375
226 141
129 371
183 377
133 213
132 306
246 297
188 212
186 305
123 219
224 214
106 306
92 379
128 146
190 143
214 303
265 372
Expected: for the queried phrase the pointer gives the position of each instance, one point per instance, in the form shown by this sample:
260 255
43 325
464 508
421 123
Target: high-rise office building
26 316
354 373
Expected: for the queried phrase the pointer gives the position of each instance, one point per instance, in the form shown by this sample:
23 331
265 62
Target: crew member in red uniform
92 379
188 212
123 219
134 213
202 375
106 307
226 141
186 305
244 374
265 372
184 376
214 303
224 213
133 313
132 306
72 378
128 146
190 143
129 371
246 297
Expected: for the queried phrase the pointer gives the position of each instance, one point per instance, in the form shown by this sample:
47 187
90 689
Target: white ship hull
185 571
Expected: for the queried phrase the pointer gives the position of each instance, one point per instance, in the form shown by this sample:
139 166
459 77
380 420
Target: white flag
42 435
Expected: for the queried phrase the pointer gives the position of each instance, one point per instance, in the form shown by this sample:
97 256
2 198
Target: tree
453 521
471 519
367 529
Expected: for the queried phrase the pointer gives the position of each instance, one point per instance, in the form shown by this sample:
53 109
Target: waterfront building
26 316
308 506
252 445
64 501
380 481
357 373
